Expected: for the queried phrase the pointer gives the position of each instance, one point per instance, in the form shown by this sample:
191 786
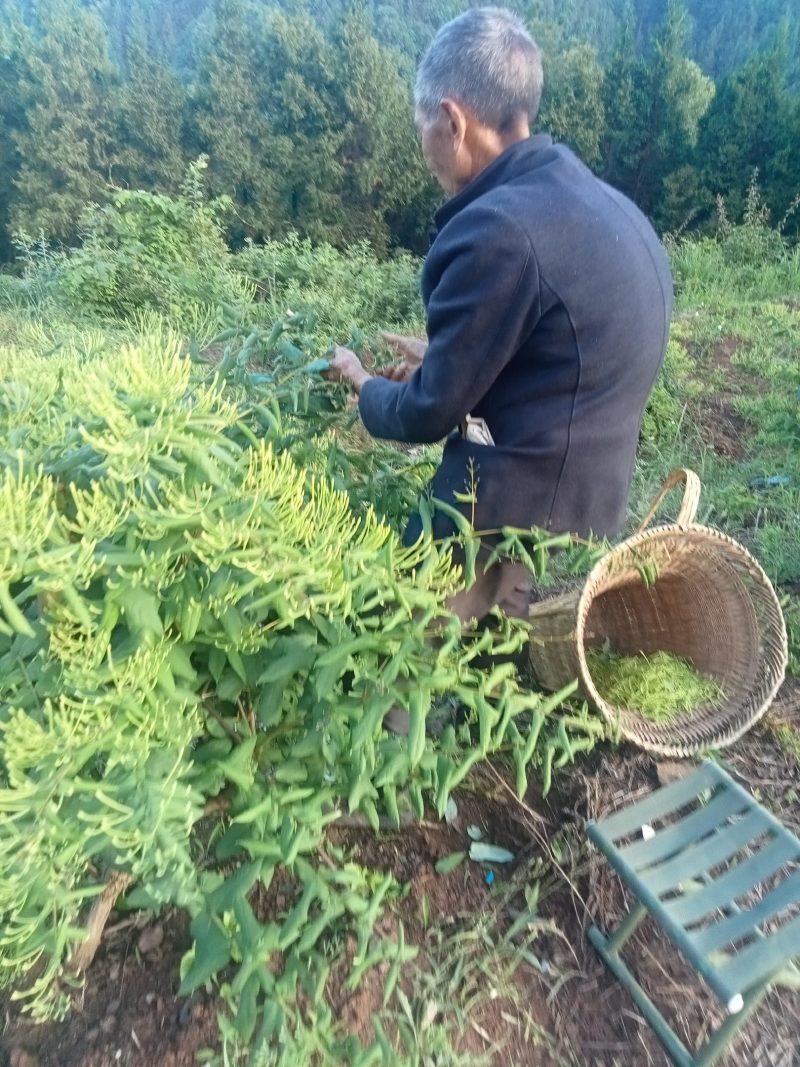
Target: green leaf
325 680
317 366
217 661
141 610
237 663
289 657
460 521
181 664
245 1021
250 929
291 353
232 624
212 751
238 767
212 952
235 885
269 706
139 899
229 687
449 863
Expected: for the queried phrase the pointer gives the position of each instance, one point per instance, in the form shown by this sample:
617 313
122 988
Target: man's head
478 91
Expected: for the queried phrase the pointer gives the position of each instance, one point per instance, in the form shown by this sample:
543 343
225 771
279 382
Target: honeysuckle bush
199 640
151 253
347 290
142 251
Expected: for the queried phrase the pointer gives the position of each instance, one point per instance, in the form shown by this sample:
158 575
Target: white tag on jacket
476 431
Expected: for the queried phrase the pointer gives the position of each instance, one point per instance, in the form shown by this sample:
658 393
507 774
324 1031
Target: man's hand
411 351
346 367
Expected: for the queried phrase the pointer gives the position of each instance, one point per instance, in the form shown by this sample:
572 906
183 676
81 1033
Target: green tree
229 112
307 130
566 22
750 127
384 173
726 33
624 99
340 113
69 91
305 108
654 107
677 96
14 45
573 108
407 26
151 119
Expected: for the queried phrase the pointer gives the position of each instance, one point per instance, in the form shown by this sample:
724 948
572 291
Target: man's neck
486 145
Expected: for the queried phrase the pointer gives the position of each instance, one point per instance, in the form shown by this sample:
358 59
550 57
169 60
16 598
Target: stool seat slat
694 827
736 927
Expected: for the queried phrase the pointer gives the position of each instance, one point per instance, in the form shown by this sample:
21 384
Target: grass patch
474 979
788 737
728 402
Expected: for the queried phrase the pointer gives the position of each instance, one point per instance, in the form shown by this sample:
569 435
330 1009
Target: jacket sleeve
483 306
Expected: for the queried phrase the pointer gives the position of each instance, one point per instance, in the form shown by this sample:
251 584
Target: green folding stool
688 853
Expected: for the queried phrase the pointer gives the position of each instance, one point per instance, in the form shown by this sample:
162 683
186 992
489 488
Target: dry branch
116 884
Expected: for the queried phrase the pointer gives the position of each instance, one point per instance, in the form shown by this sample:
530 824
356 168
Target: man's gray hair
486 60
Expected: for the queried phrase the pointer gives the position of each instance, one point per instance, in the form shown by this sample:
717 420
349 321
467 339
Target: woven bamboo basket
679 588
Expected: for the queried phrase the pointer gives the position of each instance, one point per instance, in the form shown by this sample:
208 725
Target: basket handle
691 498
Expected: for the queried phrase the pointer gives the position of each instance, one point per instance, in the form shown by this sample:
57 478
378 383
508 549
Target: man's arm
485 304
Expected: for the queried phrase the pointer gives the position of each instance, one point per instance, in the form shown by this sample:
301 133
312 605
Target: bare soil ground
574 1014
721 426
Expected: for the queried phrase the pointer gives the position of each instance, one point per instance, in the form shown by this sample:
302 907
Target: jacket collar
516 159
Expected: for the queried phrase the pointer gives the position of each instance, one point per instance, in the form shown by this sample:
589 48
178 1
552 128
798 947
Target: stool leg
675 1048
721 1038
626 929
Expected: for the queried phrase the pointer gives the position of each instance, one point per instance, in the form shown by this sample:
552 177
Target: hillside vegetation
206 610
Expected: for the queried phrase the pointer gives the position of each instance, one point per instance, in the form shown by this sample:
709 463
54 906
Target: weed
474 969
788 737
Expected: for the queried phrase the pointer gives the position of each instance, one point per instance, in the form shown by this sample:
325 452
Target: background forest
676 102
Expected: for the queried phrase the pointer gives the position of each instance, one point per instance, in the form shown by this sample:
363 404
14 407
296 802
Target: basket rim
736 728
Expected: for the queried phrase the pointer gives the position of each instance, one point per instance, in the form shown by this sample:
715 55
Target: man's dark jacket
548 298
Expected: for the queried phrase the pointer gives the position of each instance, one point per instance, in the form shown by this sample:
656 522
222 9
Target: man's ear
456 117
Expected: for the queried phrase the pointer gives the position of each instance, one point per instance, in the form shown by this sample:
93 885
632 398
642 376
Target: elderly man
548 299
